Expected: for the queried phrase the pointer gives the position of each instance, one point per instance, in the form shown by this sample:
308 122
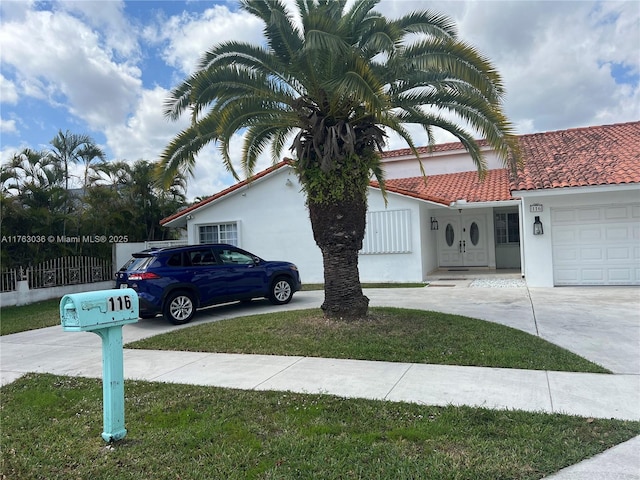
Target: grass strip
390 334
52 425
29 317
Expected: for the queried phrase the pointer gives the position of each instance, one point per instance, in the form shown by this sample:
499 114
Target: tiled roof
603 155
450 187
441 147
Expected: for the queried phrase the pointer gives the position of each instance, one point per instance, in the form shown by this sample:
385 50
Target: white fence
53 278
23 295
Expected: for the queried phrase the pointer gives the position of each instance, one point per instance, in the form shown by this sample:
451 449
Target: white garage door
596 245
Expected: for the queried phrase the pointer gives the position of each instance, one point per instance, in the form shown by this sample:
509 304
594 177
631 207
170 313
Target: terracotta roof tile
441 147
450 187
602 155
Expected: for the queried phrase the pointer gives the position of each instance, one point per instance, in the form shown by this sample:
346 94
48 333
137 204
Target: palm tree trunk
338 230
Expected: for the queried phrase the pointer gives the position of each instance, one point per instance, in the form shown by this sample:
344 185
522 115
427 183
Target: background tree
149 200
338 79
34 203
127 200
71 148
117 199
91 156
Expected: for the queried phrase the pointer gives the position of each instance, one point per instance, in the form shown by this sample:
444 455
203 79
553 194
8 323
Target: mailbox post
105 312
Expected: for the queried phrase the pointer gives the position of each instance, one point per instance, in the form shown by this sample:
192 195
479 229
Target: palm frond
333 75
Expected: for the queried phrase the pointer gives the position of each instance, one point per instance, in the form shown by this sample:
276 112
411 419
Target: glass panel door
463 241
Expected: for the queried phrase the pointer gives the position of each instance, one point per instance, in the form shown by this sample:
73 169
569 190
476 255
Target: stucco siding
395 267
538 249
273 222
436 164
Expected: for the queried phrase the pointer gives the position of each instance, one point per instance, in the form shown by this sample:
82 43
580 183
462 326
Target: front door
462 241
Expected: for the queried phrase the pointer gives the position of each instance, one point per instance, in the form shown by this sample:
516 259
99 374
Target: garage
596 245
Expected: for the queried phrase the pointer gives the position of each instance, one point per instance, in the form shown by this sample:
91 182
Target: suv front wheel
281 291
179 308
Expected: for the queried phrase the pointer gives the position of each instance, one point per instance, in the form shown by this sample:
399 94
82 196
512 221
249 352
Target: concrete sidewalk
600 324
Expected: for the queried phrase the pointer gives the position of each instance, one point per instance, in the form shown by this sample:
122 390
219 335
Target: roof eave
542 192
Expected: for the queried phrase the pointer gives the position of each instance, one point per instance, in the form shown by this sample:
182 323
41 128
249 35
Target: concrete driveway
601 324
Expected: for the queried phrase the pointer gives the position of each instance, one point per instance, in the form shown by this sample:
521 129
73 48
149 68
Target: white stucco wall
273 222
429 254
436 164
537 249
395 267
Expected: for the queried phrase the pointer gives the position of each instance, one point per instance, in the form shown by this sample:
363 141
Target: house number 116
119 303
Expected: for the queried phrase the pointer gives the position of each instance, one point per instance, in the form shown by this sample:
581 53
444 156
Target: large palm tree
330 81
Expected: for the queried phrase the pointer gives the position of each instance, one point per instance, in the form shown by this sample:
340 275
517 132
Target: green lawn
391 334
29 317
51 425
51 429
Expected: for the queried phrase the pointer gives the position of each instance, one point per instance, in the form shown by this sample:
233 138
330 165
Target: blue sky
105 67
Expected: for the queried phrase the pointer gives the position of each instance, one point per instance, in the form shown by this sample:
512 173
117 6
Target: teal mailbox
89 311
105 312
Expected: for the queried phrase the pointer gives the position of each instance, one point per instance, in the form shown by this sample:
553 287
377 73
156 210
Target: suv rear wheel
179 308
281 291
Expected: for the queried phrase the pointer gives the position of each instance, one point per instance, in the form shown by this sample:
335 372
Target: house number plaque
535 207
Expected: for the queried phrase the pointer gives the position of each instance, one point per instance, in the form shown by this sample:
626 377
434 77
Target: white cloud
146 132
108 19
7 126
551 57
8 91
554 57
189 36
64 62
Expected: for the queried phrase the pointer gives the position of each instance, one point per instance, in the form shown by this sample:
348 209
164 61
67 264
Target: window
233 257
474 234
202 258
175 260
449 234
219 233
507 228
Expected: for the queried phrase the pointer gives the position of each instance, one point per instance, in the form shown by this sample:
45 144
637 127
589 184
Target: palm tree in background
91 156
29 169
135 197
74 148
34 200
330 82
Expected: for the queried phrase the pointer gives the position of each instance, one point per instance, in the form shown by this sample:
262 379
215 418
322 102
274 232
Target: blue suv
176 281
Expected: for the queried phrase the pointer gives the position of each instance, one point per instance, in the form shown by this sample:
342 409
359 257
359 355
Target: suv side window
233 257
202 257
175 260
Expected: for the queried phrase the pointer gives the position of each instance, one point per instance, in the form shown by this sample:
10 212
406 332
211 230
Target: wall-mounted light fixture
434 223
288 183
537 227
